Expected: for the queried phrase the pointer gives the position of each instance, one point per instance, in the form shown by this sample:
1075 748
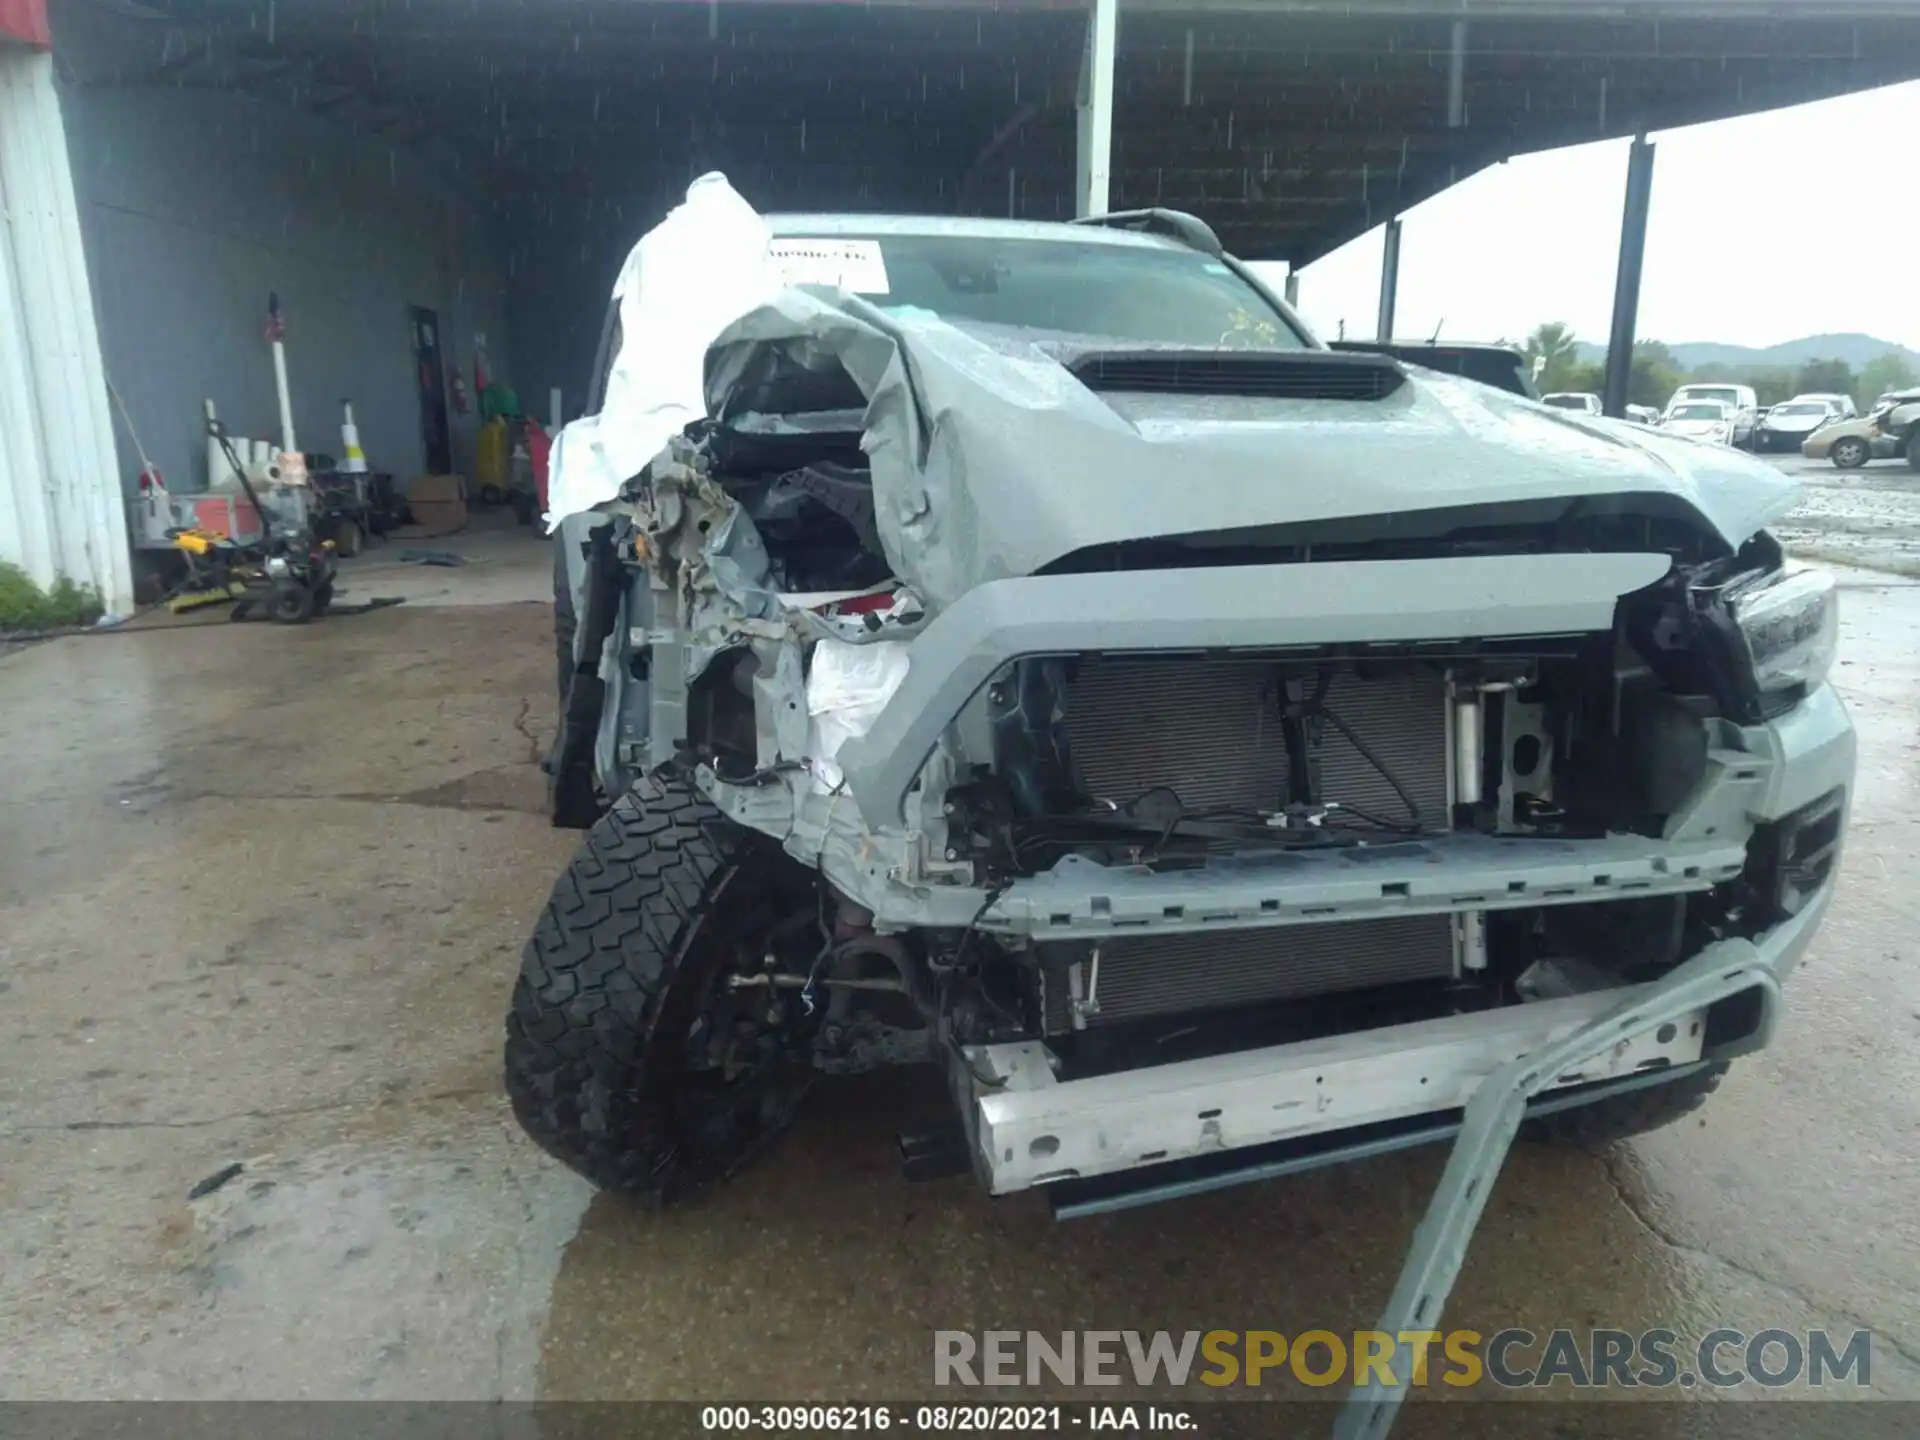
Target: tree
1891 371
1824 377
1654 374
1652 377
1771 386
1587 375
1554 345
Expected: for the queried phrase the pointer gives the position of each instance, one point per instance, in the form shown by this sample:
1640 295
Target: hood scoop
1268 375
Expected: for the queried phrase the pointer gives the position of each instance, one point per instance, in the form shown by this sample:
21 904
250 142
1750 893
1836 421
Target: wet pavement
261 896
1869 516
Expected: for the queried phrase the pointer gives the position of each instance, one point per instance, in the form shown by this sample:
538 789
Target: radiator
1210 970
1209 729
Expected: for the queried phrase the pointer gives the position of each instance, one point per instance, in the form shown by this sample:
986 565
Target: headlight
1790 628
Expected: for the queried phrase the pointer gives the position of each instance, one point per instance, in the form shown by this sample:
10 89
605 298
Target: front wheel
1848 453
293 603
632 1055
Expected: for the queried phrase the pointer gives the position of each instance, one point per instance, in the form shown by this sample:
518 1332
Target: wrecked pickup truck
1217 753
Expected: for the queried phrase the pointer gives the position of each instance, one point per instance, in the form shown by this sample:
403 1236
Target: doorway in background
431 376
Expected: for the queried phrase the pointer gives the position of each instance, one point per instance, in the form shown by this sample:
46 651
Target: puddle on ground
417 1268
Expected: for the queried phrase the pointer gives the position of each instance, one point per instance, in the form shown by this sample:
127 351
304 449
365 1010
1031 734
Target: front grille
1214 969
1209 729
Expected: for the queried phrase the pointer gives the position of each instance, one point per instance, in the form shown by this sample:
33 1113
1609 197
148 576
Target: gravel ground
1867 517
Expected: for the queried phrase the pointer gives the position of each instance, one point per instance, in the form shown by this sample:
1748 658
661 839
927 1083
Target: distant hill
1856 349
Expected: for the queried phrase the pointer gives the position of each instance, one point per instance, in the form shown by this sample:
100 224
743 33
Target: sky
1763 229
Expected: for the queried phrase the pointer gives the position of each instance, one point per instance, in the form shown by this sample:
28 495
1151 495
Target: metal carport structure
1290 125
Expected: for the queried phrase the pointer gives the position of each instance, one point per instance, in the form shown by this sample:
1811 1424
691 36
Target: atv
1042 659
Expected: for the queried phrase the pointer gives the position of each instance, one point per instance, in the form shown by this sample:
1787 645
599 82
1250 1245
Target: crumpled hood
991 460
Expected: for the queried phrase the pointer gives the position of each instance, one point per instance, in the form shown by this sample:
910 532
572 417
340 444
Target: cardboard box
438 503
437 488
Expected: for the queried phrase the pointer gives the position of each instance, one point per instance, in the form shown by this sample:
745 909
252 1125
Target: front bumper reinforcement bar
1492 1121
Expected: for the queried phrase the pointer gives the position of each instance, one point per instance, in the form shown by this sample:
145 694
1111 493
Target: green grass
25 607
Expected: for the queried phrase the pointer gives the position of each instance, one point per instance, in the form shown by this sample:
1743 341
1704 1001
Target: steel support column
1389 281
1457 77
1626 282
1094 151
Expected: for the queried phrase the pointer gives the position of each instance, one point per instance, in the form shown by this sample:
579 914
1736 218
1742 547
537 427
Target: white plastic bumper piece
1034 1129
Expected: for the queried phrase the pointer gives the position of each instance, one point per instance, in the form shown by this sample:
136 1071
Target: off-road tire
591 1069
1849 453
1634 1113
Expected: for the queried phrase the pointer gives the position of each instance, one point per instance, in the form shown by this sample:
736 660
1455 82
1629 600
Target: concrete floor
261 897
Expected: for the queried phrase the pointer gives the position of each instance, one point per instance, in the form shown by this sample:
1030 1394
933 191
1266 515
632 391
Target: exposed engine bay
1192 764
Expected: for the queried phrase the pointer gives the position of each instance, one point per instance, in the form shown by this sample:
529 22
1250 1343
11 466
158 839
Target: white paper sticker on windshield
855 265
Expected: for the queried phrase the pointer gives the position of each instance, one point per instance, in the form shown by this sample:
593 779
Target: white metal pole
1096 109
553 408
286 397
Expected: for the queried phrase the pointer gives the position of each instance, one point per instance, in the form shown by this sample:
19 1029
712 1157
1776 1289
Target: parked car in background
1742 405
1584 401
1849 444
1897 414
1787 425
1709 420
1843 406
1643 414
